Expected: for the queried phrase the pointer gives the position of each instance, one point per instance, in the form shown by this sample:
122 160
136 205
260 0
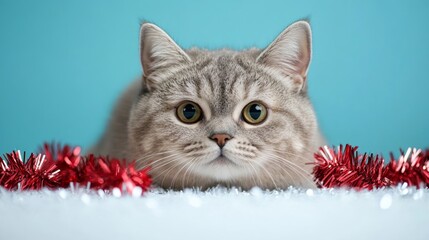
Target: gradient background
63 63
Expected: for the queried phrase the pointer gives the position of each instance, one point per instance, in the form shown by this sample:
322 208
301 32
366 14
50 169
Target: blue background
63 63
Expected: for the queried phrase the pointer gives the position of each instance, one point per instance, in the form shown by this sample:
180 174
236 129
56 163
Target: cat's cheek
277 132
288 146
298 146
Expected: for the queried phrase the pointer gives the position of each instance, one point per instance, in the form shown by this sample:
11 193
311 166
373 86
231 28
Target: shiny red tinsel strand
59 166
345 167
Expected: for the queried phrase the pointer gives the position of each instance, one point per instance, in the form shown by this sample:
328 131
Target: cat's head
231 117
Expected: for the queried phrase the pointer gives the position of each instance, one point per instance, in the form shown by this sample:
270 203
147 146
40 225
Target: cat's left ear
290 53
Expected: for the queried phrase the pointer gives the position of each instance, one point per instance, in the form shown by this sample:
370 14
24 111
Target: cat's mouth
222 160
222 168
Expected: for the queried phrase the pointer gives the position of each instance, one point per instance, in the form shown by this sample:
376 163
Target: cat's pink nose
220 138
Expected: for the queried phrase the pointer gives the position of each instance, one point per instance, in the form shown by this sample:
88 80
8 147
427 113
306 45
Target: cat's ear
158 51
290 53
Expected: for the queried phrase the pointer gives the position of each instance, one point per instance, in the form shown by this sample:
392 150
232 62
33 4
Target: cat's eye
254 113
189 112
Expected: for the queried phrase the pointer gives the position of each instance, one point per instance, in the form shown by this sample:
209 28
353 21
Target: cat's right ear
158 52
290 53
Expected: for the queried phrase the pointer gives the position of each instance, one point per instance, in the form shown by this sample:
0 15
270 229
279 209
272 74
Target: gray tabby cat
201 118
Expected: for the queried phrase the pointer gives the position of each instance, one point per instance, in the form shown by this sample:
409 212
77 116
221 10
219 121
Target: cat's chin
222 161
221 169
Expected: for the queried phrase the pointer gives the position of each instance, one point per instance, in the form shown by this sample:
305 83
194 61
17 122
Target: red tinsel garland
347 168
58 167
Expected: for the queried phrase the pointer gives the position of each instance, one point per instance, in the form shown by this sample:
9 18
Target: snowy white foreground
400 213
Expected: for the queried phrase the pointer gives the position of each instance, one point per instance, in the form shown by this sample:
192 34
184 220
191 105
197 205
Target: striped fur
272 155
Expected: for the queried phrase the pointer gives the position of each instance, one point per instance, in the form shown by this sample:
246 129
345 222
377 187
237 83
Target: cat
203 118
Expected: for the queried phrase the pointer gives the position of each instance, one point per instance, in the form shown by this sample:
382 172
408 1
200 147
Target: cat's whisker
283 168
283 158
160 166
288 169
306 160
141 163
256 174
186 172
267 172
307 150
152 163
164 163
151 155
167 171
194 164
293 166
177 173
163 158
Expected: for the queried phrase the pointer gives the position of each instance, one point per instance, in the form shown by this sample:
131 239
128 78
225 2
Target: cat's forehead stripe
233 83
222 81
202 64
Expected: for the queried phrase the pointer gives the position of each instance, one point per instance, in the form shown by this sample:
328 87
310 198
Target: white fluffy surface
400 213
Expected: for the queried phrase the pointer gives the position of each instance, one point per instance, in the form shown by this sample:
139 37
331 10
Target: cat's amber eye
189 112
254 113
